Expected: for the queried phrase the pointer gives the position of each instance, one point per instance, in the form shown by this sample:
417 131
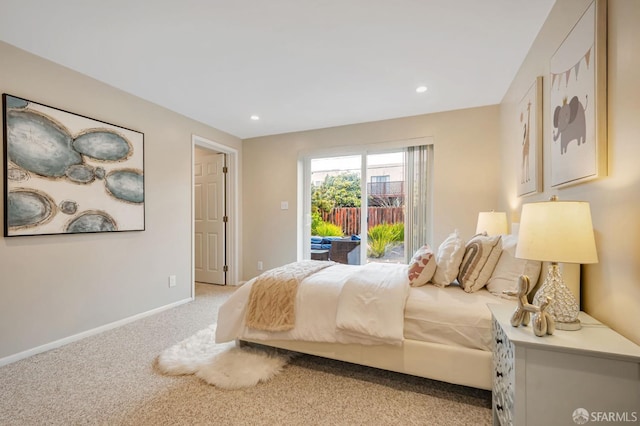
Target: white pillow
448 260
422 266
480 258
509 268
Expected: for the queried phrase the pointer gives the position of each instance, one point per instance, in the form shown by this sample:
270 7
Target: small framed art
529 158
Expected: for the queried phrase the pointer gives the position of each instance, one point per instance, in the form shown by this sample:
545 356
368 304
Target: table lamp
557 231
493 223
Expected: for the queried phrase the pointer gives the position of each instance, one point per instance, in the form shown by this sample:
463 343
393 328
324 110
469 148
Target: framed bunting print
578 101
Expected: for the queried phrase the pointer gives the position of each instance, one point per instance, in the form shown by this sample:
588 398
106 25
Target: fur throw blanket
273 295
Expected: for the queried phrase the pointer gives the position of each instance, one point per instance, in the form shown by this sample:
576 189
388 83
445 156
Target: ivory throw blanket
273 295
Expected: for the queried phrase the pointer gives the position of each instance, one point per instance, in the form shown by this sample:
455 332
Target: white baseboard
64 341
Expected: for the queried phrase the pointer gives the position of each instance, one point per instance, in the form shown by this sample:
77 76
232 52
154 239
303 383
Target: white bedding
432 314
371 303
317 305
450 316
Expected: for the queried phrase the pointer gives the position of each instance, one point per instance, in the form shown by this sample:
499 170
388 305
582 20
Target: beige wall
611 288
466 176
53 287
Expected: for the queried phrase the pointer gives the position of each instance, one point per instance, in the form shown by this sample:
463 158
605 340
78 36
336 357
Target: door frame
233 224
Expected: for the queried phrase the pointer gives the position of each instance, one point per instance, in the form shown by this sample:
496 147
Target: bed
372 314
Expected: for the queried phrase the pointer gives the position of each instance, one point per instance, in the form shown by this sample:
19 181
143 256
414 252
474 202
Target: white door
210 229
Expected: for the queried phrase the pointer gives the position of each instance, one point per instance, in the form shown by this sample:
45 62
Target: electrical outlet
260 265
172 280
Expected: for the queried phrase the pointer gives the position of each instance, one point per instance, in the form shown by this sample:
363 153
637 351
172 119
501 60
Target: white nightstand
544 380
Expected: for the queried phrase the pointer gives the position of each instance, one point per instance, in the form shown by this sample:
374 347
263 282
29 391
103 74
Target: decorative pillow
509 268
480 258
422 266
448 260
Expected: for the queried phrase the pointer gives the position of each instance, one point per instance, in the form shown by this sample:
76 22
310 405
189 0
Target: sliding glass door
385 196
369 207
335 207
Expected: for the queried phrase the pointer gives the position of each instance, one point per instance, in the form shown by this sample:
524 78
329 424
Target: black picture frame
66 173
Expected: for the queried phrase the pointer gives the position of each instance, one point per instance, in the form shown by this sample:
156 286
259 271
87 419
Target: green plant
326 229
381 236
316 219
342 190
398 231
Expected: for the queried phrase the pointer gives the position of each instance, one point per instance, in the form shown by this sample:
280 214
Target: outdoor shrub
380 236
326 229
316 219
398 231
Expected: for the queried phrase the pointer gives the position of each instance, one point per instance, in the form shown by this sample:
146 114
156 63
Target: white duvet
342 303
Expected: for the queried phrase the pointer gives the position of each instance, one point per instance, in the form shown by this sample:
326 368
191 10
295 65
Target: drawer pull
498 340
499 407
499 374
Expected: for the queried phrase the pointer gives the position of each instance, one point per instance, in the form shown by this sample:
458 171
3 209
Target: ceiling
297 64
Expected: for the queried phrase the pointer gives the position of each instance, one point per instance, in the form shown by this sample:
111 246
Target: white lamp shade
557 231
493 223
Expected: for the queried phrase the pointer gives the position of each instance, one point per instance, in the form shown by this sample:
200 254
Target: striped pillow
422 266
480 258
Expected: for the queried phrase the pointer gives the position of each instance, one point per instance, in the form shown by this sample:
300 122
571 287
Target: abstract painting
529 140
66 173
578 101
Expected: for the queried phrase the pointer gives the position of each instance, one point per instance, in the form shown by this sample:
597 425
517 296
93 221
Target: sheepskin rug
223 365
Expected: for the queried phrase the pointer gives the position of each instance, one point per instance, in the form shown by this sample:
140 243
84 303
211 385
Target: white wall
53 287
611 288
466 176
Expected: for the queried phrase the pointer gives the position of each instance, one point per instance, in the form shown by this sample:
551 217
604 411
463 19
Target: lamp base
568 326
563 308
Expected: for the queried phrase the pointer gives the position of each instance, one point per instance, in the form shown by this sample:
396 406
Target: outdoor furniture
319 254
339 249
322 243
345 250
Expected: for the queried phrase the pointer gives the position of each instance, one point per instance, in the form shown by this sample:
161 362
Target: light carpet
112 379
223 365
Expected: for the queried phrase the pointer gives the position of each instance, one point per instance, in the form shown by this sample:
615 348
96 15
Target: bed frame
458 365
452 364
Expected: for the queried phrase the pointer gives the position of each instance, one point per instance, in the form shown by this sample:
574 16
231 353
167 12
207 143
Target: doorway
210 217
220 156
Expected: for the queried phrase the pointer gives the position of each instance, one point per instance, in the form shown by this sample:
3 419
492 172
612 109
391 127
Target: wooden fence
348 218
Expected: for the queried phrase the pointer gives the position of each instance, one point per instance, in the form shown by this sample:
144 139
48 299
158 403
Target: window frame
303 216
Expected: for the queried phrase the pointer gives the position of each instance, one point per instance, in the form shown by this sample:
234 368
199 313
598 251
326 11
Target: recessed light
255 117
421 89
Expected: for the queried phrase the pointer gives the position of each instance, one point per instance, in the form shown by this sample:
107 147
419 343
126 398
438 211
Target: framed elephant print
578 140
529 140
